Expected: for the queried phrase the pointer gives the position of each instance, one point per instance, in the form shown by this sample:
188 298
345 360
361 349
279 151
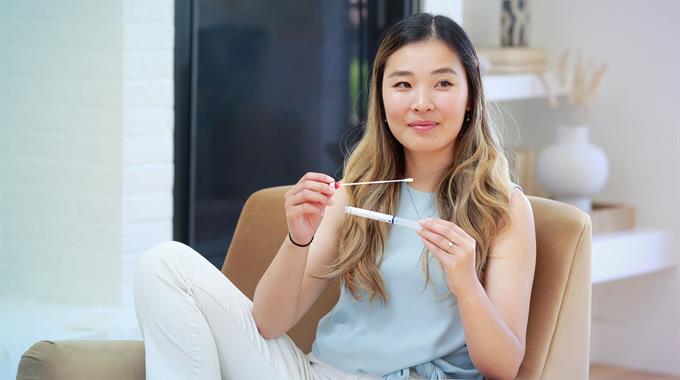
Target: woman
448 301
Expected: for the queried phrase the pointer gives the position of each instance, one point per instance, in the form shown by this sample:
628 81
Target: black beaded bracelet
299 245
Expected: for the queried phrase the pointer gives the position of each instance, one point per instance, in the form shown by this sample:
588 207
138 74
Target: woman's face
425 93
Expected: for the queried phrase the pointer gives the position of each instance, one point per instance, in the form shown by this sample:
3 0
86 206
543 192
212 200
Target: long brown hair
473 192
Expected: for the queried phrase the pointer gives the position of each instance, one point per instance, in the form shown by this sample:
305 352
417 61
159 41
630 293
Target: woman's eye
403 85
444 83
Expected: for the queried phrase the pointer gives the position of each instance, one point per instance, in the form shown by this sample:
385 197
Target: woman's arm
286 290
494 317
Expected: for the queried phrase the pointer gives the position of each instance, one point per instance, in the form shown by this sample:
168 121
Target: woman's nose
422 102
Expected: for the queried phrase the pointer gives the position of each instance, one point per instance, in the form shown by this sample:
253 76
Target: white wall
147 130
61 101
636 120
86 164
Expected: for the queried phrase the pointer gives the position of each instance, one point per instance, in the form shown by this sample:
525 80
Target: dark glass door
265 91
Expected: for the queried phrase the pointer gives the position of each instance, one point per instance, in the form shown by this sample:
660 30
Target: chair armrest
83 359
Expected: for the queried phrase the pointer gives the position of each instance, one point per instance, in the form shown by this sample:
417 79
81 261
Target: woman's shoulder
520 206
516 186
520 221
517 197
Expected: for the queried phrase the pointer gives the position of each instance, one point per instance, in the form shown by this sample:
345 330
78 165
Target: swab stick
338 184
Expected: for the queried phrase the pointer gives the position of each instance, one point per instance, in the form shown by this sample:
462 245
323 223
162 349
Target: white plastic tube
386 218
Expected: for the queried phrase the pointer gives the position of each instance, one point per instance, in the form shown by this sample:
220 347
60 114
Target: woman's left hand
455 249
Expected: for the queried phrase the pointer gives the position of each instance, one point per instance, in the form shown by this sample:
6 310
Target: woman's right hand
305 204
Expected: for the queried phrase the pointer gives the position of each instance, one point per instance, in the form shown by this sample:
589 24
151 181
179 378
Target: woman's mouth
423 125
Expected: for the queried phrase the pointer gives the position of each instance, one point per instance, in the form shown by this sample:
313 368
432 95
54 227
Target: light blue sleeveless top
419 328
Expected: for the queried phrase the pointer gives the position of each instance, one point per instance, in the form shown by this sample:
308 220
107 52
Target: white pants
198 325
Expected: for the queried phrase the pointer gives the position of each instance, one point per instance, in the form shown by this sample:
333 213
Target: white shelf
631 253
518 86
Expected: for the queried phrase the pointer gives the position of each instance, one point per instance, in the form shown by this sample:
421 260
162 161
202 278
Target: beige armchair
558 335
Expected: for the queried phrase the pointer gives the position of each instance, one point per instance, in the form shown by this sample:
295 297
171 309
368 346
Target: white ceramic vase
572 170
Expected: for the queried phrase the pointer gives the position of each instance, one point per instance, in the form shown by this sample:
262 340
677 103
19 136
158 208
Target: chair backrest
558 333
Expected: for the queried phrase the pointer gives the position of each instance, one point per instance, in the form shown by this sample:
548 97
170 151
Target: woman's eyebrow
404 73
445 70
400 73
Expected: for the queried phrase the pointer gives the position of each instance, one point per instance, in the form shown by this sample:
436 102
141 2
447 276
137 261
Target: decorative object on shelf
606 217
513 56
514 22
573 169
512 60
585 81
612 217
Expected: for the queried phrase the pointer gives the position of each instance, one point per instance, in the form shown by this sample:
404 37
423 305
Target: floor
606 372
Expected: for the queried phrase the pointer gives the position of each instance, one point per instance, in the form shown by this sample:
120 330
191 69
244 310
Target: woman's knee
162 255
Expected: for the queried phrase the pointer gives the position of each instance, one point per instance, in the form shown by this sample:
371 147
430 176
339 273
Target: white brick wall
62 168
147 130
86 164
